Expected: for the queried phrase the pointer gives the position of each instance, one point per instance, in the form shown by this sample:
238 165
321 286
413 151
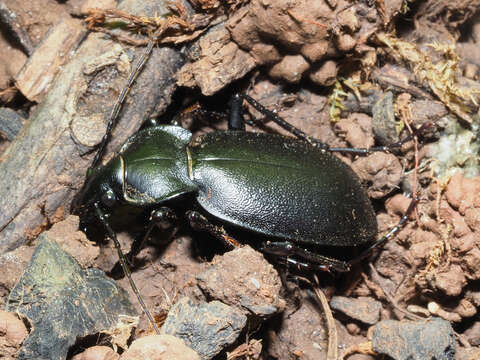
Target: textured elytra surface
281 187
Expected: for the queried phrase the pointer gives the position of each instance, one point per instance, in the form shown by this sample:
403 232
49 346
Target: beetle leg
161 218
283 123
199 222
286 248
387 236
317 143
103 219
235 121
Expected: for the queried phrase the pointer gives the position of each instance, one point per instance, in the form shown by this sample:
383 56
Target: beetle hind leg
312 261
379 243
317 143
201 223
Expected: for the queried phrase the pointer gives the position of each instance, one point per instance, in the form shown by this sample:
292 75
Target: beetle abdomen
281 187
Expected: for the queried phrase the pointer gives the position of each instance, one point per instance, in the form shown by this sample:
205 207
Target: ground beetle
294 191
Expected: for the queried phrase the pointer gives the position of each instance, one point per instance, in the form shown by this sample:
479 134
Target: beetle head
103 187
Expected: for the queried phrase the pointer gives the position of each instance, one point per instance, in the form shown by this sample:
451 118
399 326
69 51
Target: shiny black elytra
291 190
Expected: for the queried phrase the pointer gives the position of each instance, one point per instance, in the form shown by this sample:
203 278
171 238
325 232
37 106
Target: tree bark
46 165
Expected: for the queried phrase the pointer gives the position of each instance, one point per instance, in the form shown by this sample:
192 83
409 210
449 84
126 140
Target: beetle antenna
119 103
123 262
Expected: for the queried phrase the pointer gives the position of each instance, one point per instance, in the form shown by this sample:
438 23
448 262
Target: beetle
293 191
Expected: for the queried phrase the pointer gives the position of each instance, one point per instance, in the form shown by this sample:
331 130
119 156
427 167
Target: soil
349 74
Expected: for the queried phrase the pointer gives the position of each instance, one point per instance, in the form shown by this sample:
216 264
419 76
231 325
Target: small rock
433 339
452 281
384 120
244 279
290 68
326 74
10 123
364 309
97 353
12 334
159 347
427 110
206 327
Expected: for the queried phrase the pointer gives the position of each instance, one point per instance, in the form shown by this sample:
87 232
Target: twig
390 299
362 348
332 352
406 115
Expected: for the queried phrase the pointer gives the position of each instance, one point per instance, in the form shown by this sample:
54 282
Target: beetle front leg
286 249
162 218
201 223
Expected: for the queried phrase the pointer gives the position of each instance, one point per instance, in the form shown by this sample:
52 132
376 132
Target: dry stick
362 348
407 117
332 352
393 302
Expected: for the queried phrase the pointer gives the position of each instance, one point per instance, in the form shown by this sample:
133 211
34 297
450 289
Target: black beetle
291 190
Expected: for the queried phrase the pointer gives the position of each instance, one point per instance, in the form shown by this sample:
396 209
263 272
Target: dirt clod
159 347
290 68
12 334
253 289
382 170
97 353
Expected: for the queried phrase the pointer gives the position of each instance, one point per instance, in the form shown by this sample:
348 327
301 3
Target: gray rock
384 120
364 309
207 328
63 302
430 340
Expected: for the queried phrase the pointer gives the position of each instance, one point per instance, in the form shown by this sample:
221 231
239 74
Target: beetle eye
109 198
